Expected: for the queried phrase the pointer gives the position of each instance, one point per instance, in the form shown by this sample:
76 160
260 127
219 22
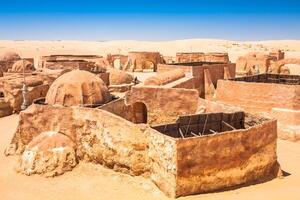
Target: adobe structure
275 94
11 86
9 59
83 62
169 135
205 74
260 63
117 60
143 61
215 57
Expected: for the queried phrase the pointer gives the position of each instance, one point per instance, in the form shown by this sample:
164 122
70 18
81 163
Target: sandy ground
89 181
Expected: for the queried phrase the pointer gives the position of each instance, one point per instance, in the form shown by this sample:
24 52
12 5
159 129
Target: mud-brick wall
223 160
257 97
100 137
164 105
140 60
119 108
15 98
162 155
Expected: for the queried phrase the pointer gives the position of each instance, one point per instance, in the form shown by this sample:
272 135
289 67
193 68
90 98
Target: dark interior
203 124
271 78
196 63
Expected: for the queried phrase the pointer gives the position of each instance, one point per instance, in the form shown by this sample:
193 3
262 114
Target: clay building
83 62
11 87
162 133
143 61
274 94
205 75
117 61
8 59
21 66
214 57
260 63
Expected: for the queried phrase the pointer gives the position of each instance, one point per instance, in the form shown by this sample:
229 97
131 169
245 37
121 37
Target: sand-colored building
167 134
276 94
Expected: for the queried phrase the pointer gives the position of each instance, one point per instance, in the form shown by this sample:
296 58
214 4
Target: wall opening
139 113
2 95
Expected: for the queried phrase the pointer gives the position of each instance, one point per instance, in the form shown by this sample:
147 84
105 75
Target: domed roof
78 87
9 56
18 66
119 77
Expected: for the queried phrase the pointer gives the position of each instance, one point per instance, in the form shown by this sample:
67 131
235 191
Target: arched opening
139 113
117 63
149 65
1 95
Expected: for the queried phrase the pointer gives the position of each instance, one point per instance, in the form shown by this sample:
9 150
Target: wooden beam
228 125
212 131
181 133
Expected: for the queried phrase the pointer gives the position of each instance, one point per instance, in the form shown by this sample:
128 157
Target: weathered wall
163 155
258 97
118 107
90 58
100 137
216 72
139 61
278 100
212 162
164 104
202 57
164 77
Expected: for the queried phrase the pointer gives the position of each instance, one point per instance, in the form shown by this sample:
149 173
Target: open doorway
139 113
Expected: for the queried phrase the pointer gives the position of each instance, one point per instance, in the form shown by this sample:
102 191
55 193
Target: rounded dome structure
9 56
20 64
119 77
78 87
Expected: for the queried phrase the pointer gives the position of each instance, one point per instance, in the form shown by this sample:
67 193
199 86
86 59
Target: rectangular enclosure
203 124
271 78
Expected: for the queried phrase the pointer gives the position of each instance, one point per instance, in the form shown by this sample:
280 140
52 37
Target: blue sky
149 19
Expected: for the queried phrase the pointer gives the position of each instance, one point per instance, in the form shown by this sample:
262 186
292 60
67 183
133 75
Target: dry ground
88 181
168 48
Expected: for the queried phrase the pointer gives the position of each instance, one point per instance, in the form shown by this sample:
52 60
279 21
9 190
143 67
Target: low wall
212 162
100 137
281 101
164 104
258 97
216 72
177 166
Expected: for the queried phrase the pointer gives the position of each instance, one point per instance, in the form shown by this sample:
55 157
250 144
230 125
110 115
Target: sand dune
168 48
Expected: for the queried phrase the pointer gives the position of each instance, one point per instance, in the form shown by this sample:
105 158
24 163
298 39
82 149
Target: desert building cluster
197 123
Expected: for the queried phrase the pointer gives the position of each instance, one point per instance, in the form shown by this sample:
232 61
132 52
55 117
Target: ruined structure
214 57
7 60
205 75
21 66
167 134
143 61
82 62
78 88
11 89
117 60
277 95
260 63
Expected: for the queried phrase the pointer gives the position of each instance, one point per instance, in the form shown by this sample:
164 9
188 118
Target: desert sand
167 48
